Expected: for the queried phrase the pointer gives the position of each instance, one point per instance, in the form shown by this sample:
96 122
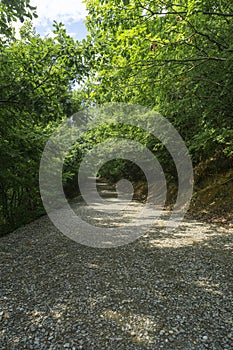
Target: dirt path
162 291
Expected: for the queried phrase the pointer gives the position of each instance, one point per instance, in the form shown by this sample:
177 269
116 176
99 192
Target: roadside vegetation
175 58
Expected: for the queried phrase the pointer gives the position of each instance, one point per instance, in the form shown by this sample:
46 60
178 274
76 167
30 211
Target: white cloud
59 10
65 11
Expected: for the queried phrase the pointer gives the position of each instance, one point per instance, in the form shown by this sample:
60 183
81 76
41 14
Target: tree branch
221 14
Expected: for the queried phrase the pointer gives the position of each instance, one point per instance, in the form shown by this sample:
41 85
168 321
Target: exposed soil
212 197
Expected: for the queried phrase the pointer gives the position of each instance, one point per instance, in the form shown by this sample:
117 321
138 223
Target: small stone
25 339
205 338
36 341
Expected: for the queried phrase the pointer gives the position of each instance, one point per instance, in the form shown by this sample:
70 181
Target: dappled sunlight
92 266
114 259
141 295
189 233
136 326
209 286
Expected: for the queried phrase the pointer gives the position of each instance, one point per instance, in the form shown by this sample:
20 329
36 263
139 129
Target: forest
172 57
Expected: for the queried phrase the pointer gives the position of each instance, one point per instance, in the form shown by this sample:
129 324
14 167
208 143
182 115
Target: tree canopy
13 10
36 81
175 57
172 57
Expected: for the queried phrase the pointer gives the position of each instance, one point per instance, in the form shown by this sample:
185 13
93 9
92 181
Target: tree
35 91
187 76
14 10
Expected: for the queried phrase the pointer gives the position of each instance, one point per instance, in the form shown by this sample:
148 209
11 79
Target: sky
70 12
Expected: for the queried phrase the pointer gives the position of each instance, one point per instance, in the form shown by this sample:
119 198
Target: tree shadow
161 291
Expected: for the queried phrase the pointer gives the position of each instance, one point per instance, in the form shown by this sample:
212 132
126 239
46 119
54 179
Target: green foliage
109 134
35 95
13 10
175 57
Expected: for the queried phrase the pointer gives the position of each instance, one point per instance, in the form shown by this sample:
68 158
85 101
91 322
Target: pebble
172 291
205 338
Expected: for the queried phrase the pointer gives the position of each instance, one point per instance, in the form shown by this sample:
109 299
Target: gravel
163 291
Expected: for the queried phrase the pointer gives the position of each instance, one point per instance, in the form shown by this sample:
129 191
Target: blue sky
70 12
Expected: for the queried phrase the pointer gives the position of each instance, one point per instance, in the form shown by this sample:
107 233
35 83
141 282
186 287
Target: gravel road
162 291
